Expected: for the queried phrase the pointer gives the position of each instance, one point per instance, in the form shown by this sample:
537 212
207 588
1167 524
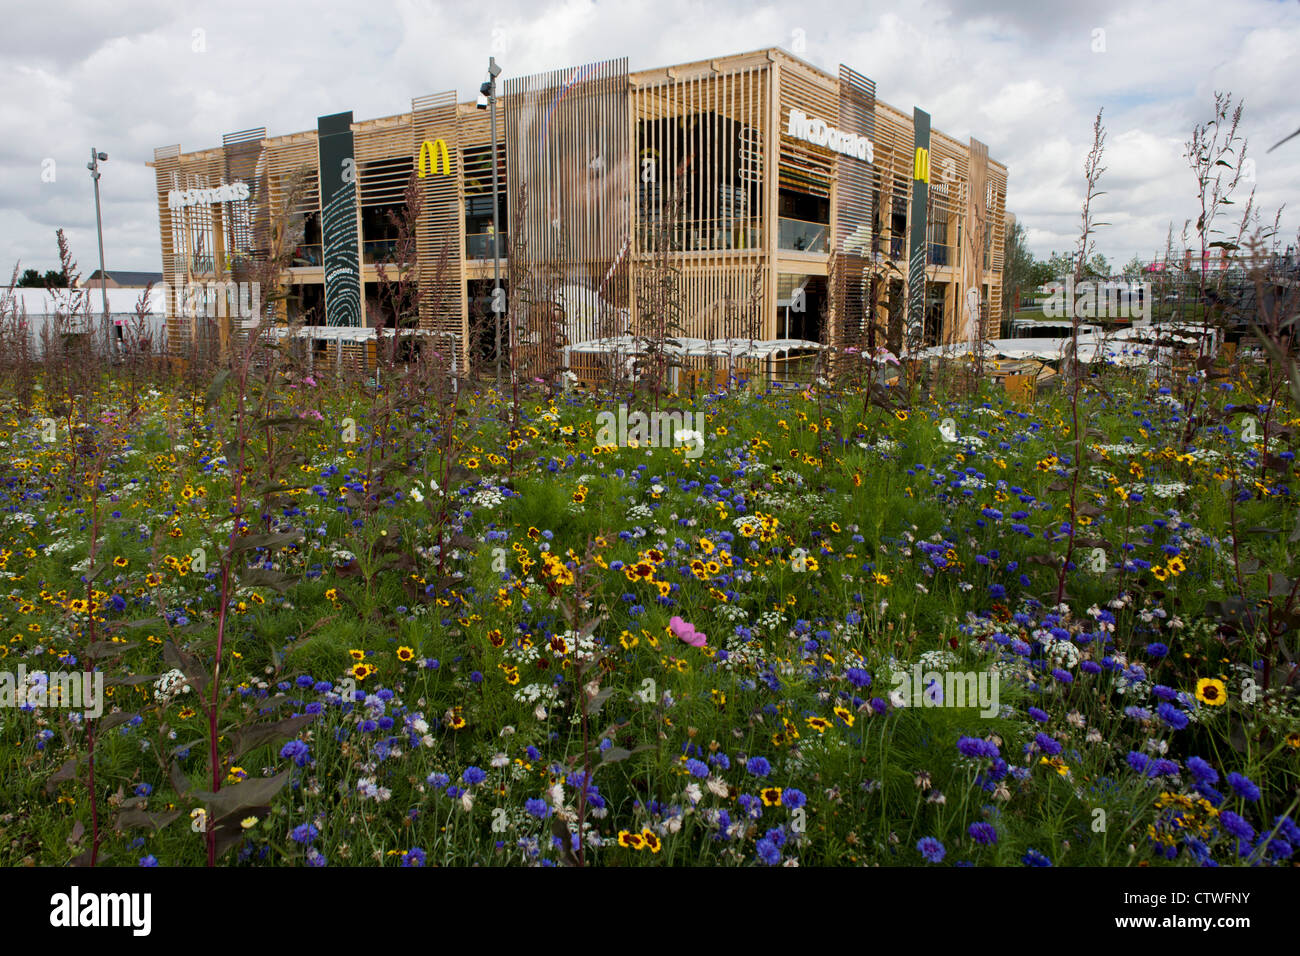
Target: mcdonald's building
787 203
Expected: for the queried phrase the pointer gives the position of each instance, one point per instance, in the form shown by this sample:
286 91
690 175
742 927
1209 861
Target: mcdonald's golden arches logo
431 153
921 165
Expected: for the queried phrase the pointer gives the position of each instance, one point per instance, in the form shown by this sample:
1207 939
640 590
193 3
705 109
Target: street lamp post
95 159
488 91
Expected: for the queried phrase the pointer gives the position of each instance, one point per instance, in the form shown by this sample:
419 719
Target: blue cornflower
858 677
473 775
1048 745
697 768
1245 787
1033 858
304 833
537 808
977 748
769 852
149 860
437 780
1172 716
1039 715
792 798
758 766
297 751
983 833
143 789
413 857
1236 825
931 849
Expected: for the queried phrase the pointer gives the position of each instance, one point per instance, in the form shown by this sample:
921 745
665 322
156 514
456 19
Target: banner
338 197
920 199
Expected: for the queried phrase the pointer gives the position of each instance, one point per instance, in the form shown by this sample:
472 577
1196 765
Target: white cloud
1021 75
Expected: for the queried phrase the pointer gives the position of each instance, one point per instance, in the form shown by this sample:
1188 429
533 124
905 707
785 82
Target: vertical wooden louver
701 145
852 214
567 139
166 165
243 153
440 230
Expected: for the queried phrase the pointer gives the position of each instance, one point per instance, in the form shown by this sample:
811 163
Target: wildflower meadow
360 623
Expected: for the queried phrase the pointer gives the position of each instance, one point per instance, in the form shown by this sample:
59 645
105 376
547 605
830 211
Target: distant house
119 279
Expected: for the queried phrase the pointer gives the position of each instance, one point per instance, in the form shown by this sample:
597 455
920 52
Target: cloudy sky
1025 76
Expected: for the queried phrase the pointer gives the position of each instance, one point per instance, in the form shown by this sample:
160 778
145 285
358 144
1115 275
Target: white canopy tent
626 348
356 335
37 308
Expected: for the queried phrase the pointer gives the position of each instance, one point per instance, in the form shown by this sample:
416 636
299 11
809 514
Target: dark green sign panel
920 200
338 198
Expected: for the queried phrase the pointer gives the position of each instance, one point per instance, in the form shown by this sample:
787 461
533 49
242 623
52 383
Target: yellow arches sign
921 165
432 155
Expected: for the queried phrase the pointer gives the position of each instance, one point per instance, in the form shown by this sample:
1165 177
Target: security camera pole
95 159
489 89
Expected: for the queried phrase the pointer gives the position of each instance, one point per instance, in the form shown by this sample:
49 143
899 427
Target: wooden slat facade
592 161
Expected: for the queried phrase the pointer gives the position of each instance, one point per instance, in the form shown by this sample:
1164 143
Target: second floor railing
478 245
799 235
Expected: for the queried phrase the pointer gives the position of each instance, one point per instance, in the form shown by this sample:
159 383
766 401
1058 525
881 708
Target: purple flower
697 768
413 857
298 751
1203 772
931 849
537 808
792 798
1039 715
1236 825
473 775
1047 745
758 766
1172 716
977 748
768 852
1245 787
983 833
304 833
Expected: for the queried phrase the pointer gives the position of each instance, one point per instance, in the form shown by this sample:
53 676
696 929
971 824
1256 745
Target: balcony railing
801 236
940 255
703 235
377 250
308 256
478 245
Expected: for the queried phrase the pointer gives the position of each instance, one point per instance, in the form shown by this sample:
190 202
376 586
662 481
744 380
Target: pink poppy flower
686 632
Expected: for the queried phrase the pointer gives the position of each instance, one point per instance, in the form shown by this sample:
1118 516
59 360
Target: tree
1133 268
1017 265
31 279
55 280
1097 267
1041 273
1061 264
